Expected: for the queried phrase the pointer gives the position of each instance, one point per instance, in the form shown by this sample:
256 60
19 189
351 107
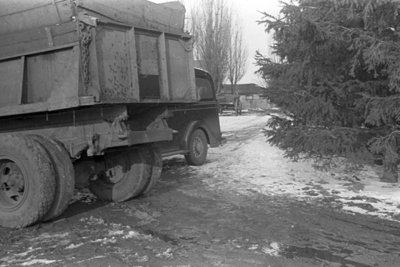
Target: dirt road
225 213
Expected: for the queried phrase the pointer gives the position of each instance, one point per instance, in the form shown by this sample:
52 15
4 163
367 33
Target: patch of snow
249 164
28 257
166 254
73 246
92 258
131 234
354 209
136 235
234 123
273 249
253 247
115 232
26 253
93 220
105 241
45 236
38 261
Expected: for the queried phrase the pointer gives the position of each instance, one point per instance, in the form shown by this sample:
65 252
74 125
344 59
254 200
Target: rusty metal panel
52 76
134 66
92 88
164 86
147 54
113 50
148 62
180 70
11 82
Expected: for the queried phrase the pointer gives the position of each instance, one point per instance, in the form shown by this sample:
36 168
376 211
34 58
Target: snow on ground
247 164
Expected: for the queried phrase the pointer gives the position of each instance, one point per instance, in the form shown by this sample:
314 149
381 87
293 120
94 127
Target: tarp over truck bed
19 15
57 54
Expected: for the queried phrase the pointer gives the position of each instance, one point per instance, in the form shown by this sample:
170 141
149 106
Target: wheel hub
116 166
115 174
198 147
12 184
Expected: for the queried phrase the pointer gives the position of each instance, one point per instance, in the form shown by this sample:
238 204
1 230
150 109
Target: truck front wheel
27 184
125 176
198 147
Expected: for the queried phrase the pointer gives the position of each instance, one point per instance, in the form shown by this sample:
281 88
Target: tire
124 177
64 175
27 184
198 148
156 169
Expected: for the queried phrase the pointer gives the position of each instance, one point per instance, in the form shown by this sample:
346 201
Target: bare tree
237 56
211 27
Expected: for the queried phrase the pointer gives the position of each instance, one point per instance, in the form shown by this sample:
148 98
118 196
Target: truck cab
196 125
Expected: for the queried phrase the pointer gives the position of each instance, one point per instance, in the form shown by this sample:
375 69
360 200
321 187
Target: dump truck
95 92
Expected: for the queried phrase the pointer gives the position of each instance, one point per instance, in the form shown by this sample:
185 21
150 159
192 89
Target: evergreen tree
337 80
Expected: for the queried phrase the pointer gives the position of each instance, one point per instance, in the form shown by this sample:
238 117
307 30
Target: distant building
252 96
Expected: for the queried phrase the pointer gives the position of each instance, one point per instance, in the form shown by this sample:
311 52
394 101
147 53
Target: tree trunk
390 172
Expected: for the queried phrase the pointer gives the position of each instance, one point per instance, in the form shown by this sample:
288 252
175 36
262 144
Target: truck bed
106 53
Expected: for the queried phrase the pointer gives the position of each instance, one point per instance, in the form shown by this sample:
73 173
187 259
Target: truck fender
190 128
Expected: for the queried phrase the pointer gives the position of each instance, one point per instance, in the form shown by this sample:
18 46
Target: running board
172 153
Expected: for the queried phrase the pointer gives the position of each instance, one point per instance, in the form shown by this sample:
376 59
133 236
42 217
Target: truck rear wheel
64 175
156 169
125 176
27 184
198 147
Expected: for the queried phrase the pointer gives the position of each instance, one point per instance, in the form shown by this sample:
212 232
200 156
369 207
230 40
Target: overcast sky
254 34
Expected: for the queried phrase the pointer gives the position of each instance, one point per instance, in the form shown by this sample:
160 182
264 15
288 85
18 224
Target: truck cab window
204 89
